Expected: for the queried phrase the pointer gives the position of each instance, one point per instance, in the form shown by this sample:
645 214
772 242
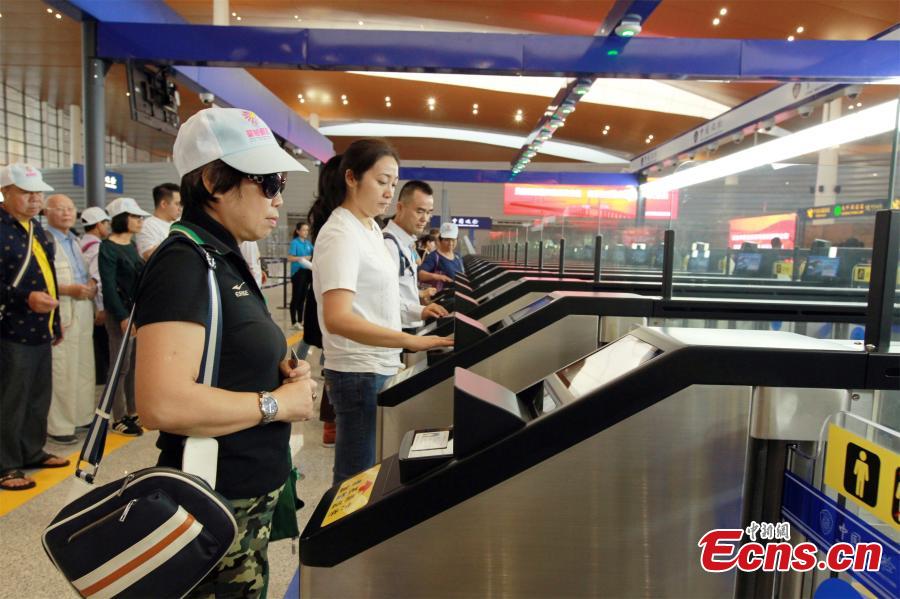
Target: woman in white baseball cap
119 266
232 175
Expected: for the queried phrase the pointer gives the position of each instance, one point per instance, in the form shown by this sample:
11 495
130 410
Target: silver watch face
268 406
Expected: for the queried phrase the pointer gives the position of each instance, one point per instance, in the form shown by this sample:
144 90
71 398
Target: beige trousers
74 396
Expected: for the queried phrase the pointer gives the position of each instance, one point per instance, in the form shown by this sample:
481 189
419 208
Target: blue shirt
302 248
69 243
437 264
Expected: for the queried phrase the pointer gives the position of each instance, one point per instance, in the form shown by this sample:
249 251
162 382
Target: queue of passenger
362 288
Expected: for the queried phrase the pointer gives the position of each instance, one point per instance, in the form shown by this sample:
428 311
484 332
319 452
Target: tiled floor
28 571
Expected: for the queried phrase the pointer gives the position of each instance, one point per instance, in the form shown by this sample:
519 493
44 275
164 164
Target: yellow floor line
49 477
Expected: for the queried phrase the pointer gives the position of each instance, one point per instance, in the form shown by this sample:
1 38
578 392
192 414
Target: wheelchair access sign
865 473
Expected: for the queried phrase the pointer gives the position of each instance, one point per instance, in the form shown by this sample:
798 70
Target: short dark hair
164 192
410 187
193 192
89 228
120 223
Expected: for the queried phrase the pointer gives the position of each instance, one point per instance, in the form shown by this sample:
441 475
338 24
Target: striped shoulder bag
156 532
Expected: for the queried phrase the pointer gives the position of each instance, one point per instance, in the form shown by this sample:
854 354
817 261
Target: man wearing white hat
96 229
29 324
73 360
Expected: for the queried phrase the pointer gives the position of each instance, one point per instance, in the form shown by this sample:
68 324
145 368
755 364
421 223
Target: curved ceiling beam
394 129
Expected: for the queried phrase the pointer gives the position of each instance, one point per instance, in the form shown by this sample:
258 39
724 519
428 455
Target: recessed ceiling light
345 102
302 101
343 96
238 18
716 21
431 101
607 127
852 107
800 29
723 12
297 17
387 98
474 111
605 131
518 118
388 104
874 174
127 94
859 104
234 14
50 11
790 38
475 106
58 16
360 23
299 96
650 136
519 111
431 107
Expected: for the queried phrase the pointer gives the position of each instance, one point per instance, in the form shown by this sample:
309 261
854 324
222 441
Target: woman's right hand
295 400
420 343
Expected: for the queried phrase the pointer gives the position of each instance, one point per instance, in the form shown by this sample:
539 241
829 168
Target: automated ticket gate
598 481
519 350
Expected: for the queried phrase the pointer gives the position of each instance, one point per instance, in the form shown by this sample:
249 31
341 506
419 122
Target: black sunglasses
272 184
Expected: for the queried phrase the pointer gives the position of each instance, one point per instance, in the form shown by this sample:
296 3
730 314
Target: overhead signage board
845 210
864 472
112 181
761 230
609 202
465 222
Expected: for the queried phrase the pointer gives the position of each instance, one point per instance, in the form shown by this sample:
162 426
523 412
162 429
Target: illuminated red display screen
594 202
762 229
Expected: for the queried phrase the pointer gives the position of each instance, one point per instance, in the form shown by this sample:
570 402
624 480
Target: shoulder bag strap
404 260
25 262
95 443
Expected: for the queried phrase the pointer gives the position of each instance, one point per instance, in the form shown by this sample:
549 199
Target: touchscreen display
530 308
747 262
614 360
820 267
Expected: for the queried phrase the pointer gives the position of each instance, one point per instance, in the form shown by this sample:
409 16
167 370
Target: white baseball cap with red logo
238 137
23 176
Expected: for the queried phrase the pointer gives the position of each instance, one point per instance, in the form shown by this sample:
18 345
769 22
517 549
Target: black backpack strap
404 261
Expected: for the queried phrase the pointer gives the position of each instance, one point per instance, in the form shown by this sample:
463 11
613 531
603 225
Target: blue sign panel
113 181
825 523
465 222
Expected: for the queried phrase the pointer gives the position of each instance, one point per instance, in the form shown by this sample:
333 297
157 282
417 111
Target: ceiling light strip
622 12
859 125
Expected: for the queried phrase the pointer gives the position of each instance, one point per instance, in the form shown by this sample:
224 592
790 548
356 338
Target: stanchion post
668 263
562 256
598 252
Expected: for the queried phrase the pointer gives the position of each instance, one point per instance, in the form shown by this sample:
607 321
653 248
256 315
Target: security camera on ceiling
629 26
207 98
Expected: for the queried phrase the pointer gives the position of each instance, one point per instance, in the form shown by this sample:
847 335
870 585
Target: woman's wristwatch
268 407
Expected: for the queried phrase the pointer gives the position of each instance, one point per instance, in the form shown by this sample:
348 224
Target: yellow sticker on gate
864 472
352 495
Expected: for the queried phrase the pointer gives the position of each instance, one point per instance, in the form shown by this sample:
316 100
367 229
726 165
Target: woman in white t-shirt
358 294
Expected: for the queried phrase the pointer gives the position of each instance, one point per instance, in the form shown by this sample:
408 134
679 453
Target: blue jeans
353 395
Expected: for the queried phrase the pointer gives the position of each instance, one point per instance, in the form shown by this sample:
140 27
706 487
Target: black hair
120 223
410 187
164 192
89 228
194 194
426 238
297 228
358 158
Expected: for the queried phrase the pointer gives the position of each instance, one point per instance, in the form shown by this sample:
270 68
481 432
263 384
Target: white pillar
827 172
76 143
220 12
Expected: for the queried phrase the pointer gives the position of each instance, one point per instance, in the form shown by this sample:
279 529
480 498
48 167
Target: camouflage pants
244 570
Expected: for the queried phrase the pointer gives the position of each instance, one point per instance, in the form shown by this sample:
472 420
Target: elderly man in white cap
29 324
73 359
96 229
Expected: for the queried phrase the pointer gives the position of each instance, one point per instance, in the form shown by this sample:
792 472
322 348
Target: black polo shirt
254 461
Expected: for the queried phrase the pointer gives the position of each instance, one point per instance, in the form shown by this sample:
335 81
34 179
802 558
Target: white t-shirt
352 256
410 306
153 233
90 248
250 252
